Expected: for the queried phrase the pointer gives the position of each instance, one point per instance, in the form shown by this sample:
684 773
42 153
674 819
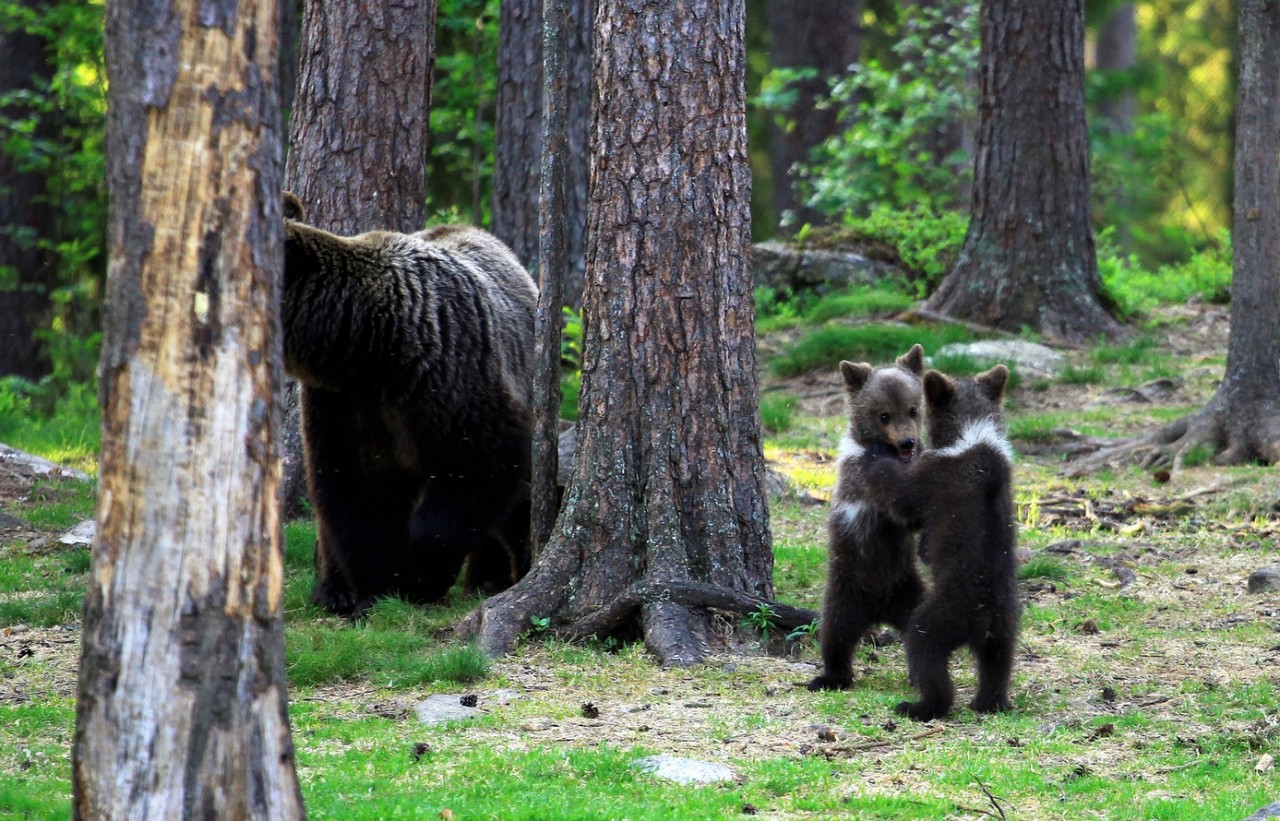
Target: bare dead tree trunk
1028 260
1241 421
27 273
517 151
358 138
182 709
668 496
823 35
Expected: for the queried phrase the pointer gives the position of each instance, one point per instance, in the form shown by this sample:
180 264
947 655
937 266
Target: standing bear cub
414 355
871 572
960 493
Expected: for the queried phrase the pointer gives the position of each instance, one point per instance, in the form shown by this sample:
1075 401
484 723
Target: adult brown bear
414 354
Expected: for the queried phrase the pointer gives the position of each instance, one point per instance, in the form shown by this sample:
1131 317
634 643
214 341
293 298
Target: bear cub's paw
829 682
990 705
919 711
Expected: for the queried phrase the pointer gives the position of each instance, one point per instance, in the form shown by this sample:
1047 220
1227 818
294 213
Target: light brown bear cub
871 573
960 493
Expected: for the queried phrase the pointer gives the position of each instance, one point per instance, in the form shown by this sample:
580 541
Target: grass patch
877 343
777 411
1044 567
1082 375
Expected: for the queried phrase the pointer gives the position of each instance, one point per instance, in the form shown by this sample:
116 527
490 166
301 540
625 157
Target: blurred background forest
876 145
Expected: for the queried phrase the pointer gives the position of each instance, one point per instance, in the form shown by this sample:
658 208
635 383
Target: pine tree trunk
358 139
1028 260
517 150
668 499
27 273
819 34
182 709
1251 390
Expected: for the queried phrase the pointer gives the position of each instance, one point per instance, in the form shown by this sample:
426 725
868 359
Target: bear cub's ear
939 389
993 382
293 209
855 374
912 360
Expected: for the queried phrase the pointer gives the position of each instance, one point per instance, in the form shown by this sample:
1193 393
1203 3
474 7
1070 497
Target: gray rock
1269 811
441 709
1265 580
81 534
37 466
685 770
778 265
1029 357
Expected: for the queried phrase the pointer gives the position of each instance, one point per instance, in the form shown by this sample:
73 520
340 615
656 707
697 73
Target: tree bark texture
1028 260
1251 389
513 213
27 272
358 139
819 34
182 709
553 266
358 133
669 484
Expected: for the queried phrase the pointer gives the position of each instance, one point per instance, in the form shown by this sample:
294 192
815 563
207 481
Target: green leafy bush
1135 290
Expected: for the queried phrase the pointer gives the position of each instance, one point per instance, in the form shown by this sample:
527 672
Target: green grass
69 435
777 411
777 311
877 343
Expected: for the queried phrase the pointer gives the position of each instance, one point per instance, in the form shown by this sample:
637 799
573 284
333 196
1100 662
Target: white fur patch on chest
849 449
848 515
977 433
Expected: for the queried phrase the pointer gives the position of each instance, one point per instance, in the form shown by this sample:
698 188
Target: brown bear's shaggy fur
871 572
961 492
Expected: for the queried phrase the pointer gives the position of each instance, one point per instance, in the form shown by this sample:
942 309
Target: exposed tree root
1235 435
671 615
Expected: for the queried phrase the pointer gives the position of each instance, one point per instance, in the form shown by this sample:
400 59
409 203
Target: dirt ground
1117 528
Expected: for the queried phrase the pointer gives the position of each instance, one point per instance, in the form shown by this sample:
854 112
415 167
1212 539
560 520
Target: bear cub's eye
884 418
912 413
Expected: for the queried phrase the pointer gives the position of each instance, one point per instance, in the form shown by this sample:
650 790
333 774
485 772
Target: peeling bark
669 484
182 709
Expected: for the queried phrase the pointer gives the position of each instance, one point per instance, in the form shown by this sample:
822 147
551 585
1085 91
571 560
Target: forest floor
1147 680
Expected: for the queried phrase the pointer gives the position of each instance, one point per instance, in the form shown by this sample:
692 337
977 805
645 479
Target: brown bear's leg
845 617
994 654
935 631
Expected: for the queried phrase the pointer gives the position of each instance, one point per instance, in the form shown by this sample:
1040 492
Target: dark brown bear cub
871 573
961 492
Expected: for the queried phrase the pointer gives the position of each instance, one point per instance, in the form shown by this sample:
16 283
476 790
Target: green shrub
776 411
878 344
1134 290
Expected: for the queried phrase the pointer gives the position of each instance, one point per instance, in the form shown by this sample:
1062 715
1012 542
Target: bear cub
960 493
871 573
414 353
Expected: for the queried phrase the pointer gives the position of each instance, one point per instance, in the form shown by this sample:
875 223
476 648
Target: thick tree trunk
358 138
182 710
1241 421
27 272
1028 259
517 151
819 34
669 485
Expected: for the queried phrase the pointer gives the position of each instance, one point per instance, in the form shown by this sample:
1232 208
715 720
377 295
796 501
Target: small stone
685 770
590 710
1265 580
1269 811
441 709
81 534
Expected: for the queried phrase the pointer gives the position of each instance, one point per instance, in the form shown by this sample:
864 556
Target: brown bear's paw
340 601
827 681
990 704
920 711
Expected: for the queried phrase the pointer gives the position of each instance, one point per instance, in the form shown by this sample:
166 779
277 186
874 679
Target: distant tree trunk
27 272
1117 54
1241 421
1028 260
358 137
517 147
290 36
182 709
819 34
666 513
953 138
